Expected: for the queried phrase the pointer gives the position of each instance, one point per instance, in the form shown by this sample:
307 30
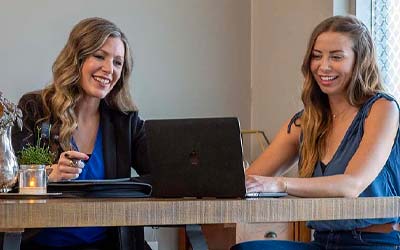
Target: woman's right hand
69 166
257 183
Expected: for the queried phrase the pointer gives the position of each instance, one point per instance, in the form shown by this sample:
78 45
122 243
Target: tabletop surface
67 212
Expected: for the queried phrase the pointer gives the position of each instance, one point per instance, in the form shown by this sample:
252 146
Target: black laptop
199 157
196 157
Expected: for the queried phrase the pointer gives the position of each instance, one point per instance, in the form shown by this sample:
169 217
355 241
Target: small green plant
35 154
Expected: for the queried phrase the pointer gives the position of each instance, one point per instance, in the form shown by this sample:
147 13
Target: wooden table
16 215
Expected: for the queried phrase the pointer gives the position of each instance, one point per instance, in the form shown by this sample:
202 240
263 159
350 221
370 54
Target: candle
32 190
32 179
32 182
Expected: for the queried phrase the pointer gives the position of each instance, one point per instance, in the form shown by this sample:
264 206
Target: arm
380 131
139 146
280 155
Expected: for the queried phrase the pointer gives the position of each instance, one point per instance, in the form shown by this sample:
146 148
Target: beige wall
280 30
192 57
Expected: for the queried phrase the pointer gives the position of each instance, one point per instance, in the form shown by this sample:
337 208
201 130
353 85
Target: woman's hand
69 166
257 183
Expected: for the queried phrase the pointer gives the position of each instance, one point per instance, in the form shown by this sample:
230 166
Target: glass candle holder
32 179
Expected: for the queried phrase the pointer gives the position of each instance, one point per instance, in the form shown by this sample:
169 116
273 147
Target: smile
101 80
328 78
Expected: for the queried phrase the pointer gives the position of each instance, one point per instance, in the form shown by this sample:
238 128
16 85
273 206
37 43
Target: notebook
198 157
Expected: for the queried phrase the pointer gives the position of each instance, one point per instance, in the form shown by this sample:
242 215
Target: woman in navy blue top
346 140
91 124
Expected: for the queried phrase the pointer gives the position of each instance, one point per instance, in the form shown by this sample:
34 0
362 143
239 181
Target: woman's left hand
257 183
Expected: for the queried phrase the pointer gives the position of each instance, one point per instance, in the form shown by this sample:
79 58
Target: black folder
109 188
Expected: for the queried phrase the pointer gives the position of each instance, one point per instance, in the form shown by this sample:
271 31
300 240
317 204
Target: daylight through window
386 35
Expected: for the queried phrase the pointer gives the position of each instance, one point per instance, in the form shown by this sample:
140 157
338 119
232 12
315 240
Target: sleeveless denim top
387 183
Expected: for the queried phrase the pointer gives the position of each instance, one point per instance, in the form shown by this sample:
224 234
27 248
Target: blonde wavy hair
365 81
62 95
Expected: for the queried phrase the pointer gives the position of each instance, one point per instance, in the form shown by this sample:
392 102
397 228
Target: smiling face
102 69
332 62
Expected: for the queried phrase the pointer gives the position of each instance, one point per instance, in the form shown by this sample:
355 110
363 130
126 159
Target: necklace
344 112
338 114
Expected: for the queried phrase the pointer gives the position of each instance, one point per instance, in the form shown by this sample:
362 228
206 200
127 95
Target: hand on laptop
257 183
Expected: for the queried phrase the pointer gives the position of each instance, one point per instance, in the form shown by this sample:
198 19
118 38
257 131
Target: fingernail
80 164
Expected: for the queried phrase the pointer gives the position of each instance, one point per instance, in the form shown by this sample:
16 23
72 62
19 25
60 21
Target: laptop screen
199 157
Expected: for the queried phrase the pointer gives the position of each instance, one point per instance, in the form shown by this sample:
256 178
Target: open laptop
199 157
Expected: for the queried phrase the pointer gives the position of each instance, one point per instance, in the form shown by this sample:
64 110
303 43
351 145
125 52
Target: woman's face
332 62
102 69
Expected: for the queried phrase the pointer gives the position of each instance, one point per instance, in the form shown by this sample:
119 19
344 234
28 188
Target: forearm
328 186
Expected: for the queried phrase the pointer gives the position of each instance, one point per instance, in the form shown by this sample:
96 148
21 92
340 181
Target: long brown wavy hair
365 81
62 95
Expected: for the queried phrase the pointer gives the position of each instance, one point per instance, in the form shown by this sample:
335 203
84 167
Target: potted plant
32 174
35 155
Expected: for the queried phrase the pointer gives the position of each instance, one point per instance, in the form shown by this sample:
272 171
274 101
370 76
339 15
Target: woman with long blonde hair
88 118
346 140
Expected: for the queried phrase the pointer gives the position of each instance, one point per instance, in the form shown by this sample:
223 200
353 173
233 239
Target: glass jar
32 179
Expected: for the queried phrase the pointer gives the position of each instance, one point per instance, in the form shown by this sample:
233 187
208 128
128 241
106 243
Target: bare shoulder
383 107
291 128
383 112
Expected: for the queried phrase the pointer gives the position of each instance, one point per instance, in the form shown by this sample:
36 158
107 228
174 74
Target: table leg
196 237
12 240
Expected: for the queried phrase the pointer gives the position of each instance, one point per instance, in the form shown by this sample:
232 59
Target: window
385 30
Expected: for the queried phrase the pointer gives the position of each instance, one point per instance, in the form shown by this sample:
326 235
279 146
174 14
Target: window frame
364 12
